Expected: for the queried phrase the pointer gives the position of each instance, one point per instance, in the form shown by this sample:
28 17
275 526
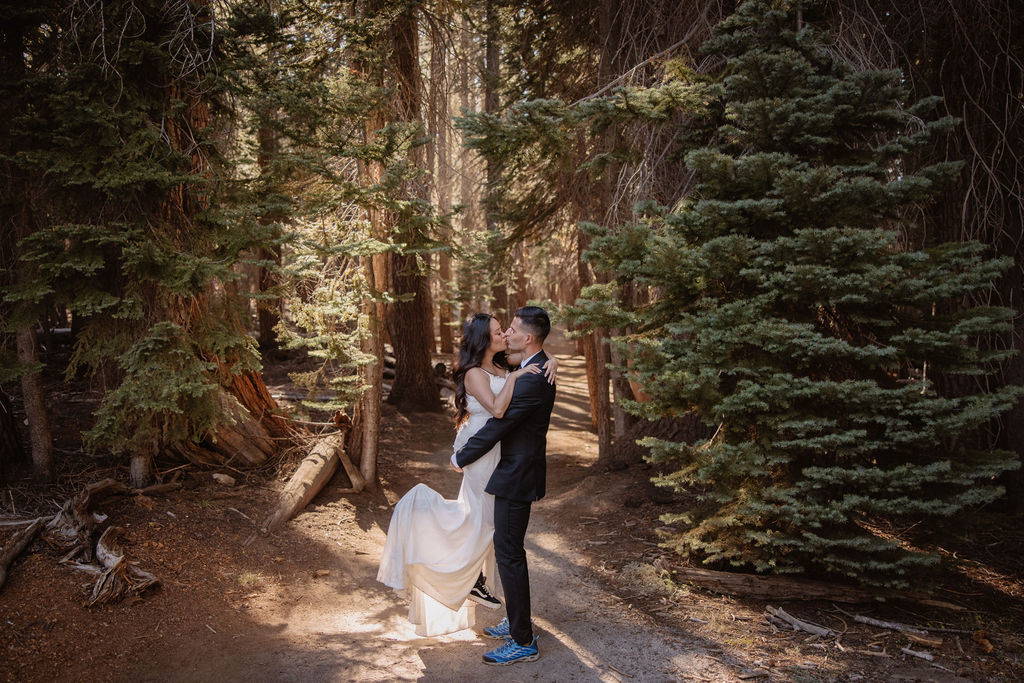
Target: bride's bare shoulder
477 377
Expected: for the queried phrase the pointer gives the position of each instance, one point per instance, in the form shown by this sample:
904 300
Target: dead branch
73 529
930 642
797 624
914 653
157 489
891 625
73 525
19 541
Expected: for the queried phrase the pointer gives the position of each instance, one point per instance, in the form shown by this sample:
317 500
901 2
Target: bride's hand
551 369
531 369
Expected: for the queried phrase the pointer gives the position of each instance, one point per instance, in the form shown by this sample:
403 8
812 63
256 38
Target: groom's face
516 337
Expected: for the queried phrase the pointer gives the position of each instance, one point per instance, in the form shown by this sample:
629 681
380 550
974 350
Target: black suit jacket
522 432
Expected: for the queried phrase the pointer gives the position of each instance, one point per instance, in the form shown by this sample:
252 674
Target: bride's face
497 337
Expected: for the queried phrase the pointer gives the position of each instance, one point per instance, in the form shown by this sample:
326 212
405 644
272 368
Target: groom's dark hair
535 320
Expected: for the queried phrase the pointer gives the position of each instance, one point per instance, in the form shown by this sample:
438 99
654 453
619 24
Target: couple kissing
440 553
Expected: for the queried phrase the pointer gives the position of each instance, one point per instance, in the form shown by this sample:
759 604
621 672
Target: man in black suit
517 481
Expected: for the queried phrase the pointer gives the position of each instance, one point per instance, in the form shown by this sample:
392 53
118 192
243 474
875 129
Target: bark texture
35 408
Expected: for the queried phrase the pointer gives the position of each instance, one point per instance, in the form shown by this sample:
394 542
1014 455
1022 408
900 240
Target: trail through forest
303 604
342 625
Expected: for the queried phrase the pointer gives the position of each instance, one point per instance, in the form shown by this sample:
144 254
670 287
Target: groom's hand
455 465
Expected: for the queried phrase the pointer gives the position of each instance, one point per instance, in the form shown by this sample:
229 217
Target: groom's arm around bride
522 432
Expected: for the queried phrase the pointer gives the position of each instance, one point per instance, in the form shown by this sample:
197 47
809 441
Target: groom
517 481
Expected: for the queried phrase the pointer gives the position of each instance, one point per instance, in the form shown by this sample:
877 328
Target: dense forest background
195 189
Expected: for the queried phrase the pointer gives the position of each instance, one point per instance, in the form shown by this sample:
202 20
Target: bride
439 551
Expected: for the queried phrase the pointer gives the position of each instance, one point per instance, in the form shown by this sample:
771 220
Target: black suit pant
511 518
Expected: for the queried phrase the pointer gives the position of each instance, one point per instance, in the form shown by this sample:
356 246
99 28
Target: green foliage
337 160
165 148
167 394
117 136
785 308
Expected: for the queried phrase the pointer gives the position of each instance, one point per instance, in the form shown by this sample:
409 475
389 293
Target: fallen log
18 542
312 474
774 588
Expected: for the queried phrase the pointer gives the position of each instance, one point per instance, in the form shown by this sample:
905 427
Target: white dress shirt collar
525 362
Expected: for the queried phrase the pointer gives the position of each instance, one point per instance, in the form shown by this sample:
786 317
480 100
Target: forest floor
303 604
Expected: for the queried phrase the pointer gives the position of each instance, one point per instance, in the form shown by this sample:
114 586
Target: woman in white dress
439 550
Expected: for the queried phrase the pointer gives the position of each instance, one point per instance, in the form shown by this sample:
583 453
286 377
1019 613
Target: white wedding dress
436 548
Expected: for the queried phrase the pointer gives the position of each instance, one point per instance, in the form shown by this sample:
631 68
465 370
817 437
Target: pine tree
788 311
134 227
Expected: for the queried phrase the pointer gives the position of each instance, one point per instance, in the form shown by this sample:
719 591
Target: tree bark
16 544
369 408
40 437
11 449
268 310
442 174
522 293
410 323
445 319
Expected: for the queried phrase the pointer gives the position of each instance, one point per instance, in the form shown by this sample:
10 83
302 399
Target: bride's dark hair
476 337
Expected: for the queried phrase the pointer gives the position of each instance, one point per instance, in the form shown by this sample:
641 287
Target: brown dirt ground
303 605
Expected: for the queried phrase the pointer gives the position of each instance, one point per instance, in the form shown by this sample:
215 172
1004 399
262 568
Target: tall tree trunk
12 219
522 293
40 437
468 293
605 211
11 450
444 307
594 353
268 310
410 323
442 173
492 81
364 437
628 428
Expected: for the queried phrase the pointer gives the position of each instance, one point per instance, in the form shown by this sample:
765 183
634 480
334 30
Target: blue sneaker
499 630
512 652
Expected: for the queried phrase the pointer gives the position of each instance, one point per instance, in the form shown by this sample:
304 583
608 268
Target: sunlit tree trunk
439 119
